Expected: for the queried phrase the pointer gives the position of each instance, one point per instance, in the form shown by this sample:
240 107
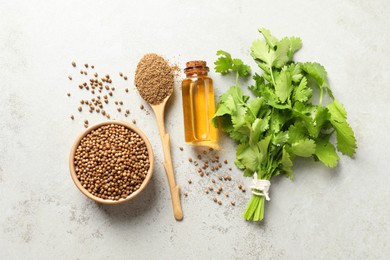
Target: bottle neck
196 71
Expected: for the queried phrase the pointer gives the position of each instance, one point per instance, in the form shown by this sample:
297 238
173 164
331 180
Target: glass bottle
198 105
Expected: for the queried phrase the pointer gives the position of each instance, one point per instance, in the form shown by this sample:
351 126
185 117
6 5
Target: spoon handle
165 139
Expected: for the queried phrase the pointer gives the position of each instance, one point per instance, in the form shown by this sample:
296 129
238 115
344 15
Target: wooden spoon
159 110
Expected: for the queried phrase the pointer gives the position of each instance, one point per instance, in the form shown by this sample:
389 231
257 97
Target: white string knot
260 187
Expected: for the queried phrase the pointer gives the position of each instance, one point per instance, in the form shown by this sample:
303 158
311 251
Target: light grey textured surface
323 214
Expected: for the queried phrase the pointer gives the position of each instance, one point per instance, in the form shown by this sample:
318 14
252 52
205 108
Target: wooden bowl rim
89 130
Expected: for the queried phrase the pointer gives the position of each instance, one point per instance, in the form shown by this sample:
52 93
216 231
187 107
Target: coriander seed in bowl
111 162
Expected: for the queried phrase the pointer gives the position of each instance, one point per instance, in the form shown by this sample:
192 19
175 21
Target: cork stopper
195 63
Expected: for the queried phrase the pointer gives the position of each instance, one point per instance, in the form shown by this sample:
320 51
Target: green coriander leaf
346 141
295 45
318 73
280 138
224 62
242 69
304 147
240 134
320 119
302 93
326 153
271 40
281 53
283 86
296 132
254 107
261 51
249 156
263 147
286 164
278 119
256 130
295 72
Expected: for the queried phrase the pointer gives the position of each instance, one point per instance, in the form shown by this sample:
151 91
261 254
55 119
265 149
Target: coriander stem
237 79
321 95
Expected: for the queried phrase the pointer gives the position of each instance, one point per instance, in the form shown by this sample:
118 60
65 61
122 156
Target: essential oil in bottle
198 105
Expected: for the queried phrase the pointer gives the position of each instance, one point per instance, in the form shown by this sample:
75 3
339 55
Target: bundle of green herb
280 122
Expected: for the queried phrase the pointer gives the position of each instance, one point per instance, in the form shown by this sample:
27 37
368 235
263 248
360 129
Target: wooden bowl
89 130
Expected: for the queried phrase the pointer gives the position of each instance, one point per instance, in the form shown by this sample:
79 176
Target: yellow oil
198 109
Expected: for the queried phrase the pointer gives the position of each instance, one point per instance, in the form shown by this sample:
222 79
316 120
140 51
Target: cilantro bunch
281 121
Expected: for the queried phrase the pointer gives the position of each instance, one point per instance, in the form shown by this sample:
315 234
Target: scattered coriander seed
85 121
212 180
121 103
81 72
90 111
126 90
121 74
189 181
190 159
103 112
240 187
219 202
108 116
125 77
199 157
220 178
211 188
233 203
227 194
215 199
206 191
243 189
73 64
230 168
181 148
70 77
225 161
126 115
185 193
95 74
134 122
116 102
119 109
72 117
92 66
85 73
86 65
141 106
127 111
201 174
86 125
113 89
68 94
80 109
110 93
97 110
